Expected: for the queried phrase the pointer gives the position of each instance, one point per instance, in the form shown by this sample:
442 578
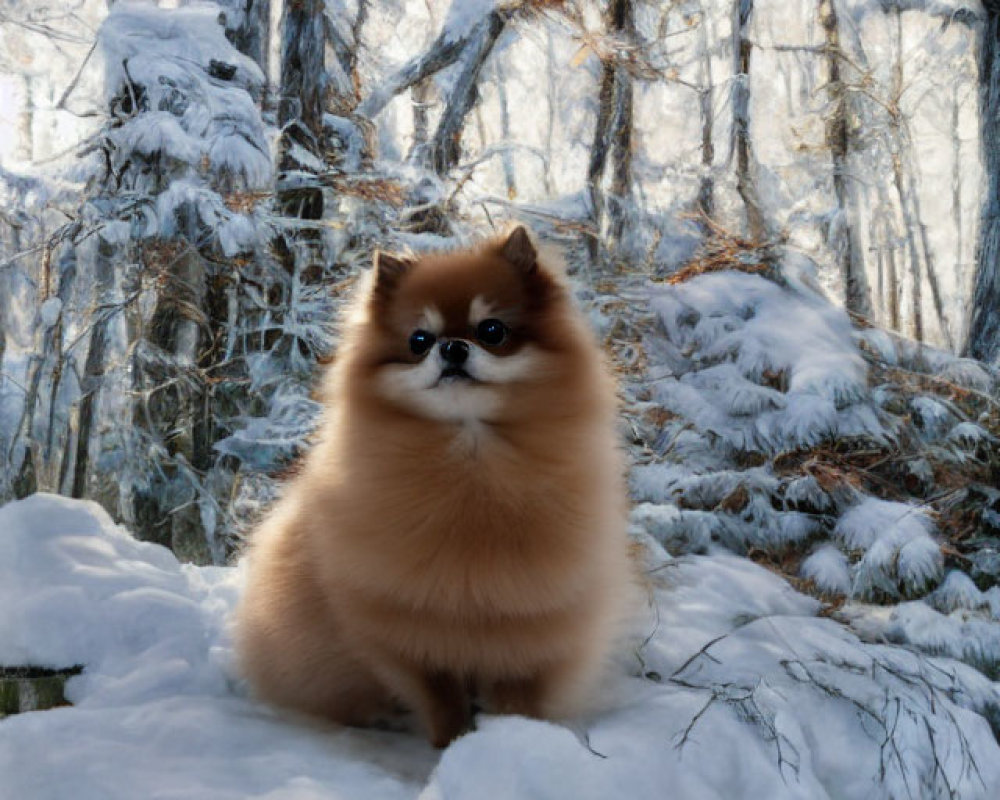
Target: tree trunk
303 77
892 287
93 369
422 98
3 326
845 239
706 106
551 107
343 38
26 123
746 184
446 145
612 137
444 52
170 405
956 191
599 157
507 158
896 144
36 471
932 278
984 325
620 198
300 108
916 278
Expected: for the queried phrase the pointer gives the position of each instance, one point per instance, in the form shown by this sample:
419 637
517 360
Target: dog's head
451 335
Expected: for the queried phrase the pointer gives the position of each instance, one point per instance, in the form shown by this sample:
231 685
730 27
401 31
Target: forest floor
817 512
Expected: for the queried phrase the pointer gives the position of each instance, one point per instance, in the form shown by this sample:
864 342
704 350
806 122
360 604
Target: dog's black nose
455 351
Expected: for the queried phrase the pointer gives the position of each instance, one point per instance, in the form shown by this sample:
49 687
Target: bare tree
846 241
984 328
746 183
613 132
706 107
445 145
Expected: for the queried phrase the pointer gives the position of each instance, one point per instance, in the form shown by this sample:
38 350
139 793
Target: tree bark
612 138
845 240
984 325
446 144
170 403
599 156
746 184
706 106
623 20
93 369
303 77
344 82
300 108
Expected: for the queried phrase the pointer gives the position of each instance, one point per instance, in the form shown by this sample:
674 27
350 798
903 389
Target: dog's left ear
518 250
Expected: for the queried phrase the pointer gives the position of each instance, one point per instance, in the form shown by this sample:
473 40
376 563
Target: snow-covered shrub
764 368
768 426
828 568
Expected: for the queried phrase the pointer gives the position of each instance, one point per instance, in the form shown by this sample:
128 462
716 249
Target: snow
50 311
957 591
761 366
733 687
464 15
828 568
864 524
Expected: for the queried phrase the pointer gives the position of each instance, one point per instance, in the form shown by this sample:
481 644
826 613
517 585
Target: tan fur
426 561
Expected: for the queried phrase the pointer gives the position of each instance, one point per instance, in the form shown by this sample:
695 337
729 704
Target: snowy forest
781 218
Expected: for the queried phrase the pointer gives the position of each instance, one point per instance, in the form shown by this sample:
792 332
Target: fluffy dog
457 534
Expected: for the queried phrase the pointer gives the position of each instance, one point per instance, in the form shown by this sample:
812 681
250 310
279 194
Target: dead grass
724 250
372 190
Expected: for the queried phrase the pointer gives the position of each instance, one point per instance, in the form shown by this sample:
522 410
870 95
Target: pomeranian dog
457 534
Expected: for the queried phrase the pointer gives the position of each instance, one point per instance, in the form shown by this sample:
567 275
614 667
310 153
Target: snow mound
156 713
77 589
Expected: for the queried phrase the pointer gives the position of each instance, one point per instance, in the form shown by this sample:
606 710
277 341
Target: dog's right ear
518 249
388 271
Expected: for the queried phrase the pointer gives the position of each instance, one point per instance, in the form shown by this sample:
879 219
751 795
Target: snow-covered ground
736 688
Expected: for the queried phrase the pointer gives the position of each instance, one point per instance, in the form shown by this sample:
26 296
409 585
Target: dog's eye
421 342
491 331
